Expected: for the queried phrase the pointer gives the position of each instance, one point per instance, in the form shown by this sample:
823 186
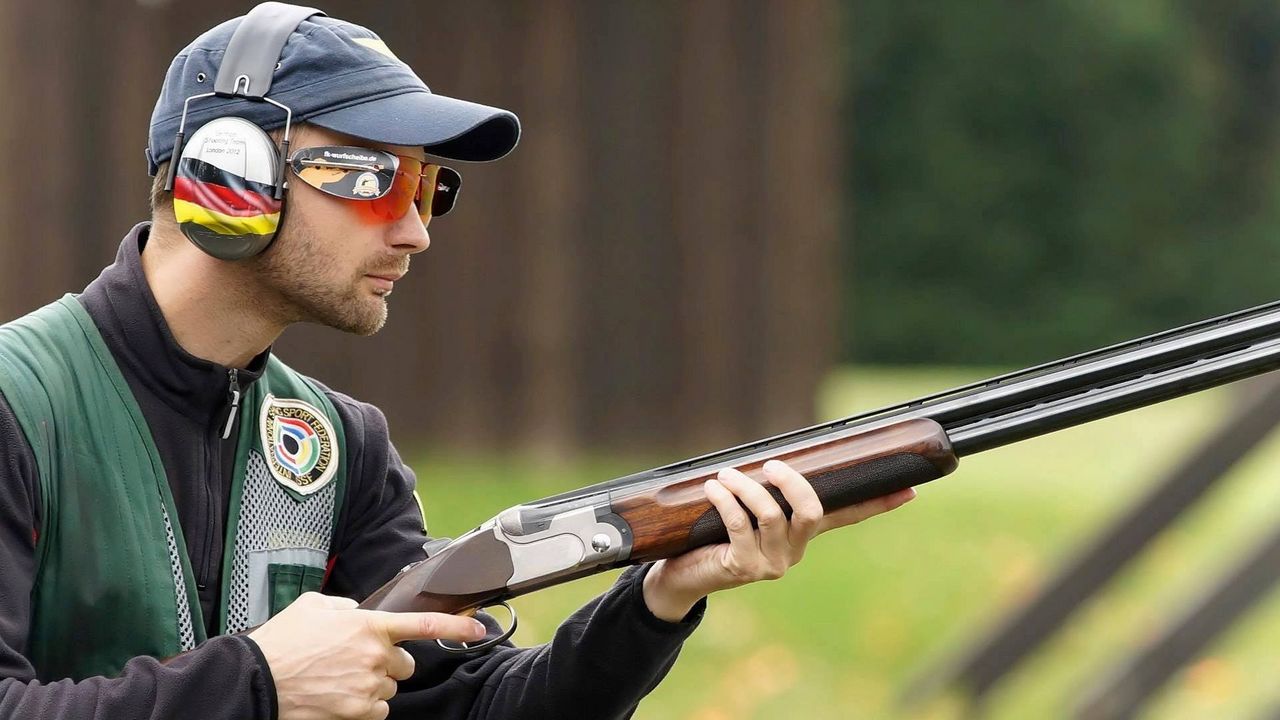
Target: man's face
329 266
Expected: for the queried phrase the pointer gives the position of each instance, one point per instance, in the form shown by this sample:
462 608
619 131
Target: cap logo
298 442
378 46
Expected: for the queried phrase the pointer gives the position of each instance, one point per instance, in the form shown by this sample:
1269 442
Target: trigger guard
465 648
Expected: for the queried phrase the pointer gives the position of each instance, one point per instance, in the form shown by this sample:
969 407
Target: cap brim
444 126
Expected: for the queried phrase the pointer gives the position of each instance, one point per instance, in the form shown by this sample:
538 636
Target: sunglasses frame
385 168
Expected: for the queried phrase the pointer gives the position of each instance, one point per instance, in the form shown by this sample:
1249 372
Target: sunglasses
382 185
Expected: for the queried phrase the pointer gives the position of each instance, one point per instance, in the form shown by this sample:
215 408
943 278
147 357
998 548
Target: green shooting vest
113 580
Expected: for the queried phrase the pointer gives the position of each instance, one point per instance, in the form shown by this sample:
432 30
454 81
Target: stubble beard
296 270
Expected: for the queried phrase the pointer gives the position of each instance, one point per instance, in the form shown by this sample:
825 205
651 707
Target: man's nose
409 233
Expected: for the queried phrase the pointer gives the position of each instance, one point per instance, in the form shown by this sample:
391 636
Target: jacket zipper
214 453
234 376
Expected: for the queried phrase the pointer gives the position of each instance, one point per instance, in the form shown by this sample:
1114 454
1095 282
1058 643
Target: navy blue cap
339 76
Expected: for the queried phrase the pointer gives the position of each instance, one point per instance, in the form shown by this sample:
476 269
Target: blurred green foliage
1033 180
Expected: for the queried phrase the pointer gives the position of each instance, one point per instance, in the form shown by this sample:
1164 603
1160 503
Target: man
172 494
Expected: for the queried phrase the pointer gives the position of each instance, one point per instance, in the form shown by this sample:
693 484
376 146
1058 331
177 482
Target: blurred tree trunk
546 324
652 268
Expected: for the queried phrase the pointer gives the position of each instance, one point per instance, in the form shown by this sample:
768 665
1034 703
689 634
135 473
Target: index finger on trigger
399 627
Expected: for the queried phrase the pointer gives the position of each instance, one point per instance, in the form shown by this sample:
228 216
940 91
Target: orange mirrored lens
395 204
431 187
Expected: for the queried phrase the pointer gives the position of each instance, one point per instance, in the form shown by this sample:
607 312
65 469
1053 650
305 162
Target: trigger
431 547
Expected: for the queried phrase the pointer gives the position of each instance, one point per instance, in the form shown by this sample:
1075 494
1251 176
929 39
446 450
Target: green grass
872 605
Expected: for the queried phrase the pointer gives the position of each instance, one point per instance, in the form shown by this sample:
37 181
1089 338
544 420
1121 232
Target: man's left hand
765 552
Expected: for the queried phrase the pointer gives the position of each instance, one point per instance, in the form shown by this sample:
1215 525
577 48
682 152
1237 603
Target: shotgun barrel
1024 388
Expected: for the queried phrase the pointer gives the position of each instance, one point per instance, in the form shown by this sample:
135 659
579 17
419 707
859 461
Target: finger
386 689
742 539
380 710
340 603
863 510
330 602
772 524
400 663
398 627
806 508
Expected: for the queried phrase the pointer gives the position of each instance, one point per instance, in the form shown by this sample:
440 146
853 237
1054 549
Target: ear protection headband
228 179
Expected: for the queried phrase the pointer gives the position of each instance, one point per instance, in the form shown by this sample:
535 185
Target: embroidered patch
298 442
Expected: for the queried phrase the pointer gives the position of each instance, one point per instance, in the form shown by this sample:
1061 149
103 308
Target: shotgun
663 512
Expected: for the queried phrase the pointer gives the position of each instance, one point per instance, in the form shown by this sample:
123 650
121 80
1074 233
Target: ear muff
223 189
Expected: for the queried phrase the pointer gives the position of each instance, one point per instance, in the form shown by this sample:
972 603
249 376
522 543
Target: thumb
399 627
340 603
326 602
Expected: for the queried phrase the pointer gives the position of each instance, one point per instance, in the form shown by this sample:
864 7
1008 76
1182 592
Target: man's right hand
330 660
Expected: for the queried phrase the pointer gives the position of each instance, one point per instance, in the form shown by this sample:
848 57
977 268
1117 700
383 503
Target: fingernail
478 629
911 495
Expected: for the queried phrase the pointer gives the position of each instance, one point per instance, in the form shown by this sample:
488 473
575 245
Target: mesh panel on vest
186 632
270 519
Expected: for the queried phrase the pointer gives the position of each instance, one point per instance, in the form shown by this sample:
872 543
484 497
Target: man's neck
206 302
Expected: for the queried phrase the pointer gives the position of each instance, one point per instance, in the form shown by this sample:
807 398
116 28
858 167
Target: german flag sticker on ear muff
223 197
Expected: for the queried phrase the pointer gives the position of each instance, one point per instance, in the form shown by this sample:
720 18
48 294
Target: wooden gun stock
671 519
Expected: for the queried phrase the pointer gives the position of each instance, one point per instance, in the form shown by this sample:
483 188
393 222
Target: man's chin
367 319
370 325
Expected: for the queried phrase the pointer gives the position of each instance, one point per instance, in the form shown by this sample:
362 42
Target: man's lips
385 281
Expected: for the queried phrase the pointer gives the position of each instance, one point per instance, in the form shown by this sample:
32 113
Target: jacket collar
122 306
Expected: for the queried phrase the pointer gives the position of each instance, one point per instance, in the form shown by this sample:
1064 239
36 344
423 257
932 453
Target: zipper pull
233 376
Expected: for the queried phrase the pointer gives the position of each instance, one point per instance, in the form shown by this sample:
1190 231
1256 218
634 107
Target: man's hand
674 585
330 660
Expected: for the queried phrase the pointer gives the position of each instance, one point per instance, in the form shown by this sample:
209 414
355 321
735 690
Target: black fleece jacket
601 662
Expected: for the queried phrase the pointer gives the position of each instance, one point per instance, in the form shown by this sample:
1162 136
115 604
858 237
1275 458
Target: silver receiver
563 543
